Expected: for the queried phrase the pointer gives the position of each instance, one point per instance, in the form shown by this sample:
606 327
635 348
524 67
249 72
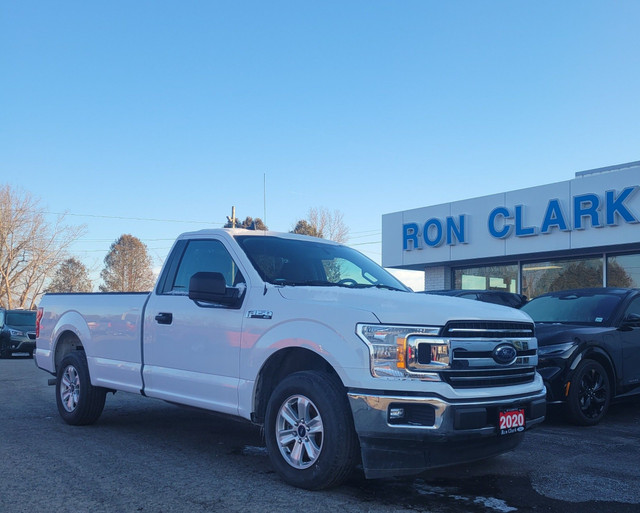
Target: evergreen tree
303 227
249 223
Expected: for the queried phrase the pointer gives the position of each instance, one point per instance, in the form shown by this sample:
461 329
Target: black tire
316 448
5 354
589 394
79 402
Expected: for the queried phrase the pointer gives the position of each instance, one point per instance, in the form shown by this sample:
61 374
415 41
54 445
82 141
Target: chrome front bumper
432 431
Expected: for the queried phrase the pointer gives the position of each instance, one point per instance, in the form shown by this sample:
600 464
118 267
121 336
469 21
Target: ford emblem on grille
505 354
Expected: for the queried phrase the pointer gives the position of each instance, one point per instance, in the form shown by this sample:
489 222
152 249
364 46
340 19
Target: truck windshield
307 263
573 308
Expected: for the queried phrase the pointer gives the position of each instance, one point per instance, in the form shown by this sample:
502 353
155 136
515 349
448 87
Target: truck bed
110 327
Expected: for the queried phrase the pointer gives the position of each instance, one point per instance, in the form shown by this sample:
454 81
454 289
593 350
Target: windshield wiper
307 283
375 285
324 283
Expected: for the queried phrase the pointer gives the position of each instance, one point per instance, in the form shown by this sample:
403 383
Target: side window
633 308
204 255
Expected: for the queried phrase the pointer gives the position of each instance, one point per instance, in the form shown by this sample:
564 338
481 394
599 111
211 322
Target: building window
493 277
541 277
623 271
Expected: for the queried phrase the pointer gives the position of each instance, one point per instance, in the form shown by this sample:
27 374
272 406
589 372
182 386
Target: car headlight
16 333
555 349
405 351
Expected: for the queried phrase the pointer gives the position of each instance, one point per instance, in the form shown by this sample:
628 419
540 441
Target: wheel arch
281 364
66 342
71 333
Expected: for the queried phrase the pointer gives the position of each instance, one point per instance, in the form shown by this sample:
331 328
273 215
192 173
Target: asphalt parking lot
146 456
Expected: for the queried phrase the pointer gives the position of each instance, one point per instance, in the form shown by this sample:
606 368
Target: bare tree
71 276
325 224
127 266
30 247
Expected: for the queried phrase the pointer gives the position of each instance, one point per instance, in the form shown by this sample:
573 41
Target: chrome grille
488 329
472 346
489 378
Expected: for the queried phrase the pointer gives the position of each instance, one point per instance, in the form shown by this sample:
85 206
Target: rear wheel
589 395
309 431
79 402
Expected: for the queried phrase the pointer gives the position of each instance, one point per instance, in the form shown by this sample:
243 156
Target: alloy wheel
593 394
70 388
299 431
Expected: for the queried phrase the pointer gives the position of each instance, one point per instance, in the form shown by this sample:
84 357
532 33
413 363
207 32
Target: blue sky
174 111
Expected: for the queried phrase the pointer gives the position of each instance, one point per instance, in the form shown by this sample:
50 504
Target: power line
374 234
133 218
106 251
365 243
112 240
368 231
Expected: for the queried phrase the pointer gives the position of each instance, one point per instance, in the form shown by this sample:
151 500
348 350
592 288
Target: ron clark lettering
587 211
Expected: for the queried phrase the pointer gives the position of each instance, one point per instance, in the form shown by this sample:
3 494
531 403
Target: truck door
191 351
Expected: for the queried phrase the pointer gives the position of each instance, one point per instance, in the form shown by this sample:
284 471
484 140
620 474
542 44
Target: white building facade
583 232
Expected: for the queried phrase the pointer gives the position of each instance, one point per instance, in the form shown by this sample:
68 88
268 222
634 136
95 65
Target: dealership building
583 232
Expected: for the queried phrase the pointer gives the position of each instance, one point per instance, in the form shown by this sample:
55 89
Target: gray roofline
607 169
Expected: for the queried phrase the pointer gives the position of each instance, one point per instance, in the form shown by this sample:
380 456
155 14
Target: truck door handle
164 318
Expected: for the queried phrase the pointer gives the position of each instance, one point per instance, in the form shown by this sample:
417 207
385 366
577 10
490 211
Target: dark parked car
17 332
488 296
588 348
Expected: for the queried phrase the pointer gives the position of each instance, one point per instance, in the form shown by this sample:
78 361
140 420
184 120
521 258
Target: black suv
588 348
17 332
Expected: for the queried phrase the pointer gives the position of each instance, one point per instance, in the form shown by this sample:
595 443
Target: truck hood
395 307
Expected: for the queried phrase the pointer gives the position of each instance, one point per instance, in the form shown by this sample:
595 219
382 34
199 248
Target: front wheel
309 431
589 395
79 402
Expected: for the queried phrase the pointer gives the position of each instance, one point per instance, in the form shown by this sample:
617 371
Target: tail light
38 318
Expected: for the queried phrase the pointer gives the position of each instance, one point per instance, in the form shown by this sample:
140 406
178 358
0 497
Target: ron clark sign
589 211
596 210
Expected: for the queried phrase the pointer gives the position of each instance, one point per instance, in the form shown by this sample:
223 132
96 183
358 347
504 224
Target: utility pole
232 219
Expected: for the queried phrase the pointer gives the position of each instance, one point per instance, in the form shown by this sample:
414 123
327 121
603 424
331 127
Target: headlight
405 351
555 349
16 333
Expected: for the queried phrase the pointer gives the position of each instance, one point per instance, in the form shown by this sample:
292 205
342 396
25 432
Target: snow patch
488 502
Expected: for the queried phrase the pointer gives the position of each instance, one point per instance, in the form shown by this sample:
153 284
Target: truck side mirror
212 288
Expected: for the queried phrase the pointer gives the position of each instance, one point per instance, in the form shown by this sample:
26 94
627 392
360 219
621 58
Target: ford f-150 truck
333 356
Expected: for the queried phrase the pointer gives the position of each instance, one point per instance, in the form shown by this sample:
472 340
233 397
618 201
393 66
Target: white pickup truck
338 360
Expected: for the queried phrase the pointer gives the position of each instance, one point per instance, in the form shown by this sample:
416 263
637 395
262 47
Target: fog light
396 413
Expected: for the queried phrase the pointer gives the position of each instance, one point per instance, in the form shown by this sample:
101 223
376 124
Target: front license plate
511 421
